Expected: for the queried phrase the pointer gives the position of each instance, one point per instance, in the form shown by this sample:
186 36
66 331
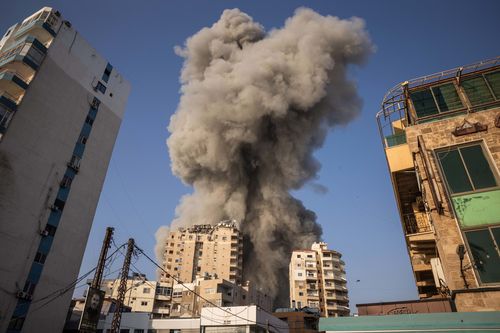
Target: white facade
235 319
61 106
240 319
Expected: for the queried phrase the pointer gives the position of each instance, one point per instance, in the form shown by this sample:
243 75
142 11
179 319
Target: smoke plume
254 108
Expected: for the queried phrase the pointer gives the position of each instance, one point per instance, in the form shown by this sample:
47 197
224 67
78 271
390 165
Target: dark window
100 87
58 205
107 73
74 163
82 139
436 100
466 169
89 120
477 91
29 287
485 253
66 181
40 257
50 230
494 82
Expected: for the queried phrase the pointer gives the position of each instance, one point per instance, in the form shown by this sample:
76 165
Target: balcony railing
395 139
415 224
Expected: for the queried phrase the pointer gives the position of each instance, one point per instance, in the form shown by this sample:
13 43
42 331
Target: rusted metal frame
430 176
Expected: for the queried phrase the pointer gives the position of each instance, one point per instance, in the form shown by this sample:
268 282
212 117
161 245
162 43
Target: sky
358 213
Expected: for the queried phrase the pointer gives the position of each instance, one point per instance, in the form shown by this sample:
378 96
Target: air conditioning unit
24 295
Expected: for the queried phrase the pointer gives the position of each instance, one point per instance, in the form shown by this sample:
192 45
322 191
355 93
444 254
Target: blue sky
358 213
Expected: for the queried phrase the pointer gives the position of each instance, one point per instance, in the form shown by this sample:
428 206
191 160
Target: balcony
23 58
42 25
13 83
416 223
395 139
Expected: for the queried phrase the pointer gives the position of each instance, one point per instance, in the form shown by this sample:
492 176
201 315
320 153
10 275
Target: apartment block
142 295
61 106
188 299
318 280
204 250
441 138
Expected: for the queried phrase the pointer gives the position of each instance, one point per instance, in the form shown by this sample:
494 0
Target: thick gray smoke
254 108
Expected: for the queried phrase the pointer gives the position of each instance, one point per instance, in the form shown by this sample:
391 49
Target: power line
60 292
203 298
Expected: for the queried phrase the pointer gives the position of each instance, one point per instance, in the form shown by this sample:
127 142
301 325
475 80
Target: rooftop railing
449 93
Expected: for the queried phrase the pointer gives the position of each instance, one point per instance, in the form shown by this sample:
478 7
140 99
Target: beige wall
213 250
448 235
317 279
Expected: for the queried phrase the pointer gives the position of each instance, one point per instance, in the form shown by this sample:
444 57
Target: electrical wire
60 292
203 298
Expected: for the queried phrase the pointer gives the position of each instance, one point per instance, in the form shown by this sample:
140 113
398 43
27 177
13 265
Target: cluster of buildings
61 105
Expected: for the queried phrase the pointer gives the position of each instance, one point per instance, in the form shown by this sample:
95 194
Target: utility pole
122 289
96 282
95 296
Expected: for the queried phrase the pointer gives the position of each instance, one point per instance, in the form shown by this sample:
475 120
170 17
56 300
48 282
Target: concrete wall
33 156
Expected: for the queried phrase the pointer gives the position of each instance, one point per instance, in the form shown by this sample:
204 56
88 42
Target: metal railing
394 106
412 226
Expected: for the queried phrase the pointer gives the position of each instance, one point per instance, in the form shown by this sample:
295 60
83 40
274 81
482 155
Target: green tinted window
454 171
477 91
494 81
447 97
485 255
424 103
496 235
478 167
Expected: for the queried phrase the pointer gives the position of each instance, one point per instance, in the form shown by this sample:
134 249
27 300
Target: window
74 163
299 256
58 205
50 230
484 247
138 331
482 89
66 181
435 100
100 87
301 293
40 257
309 256
107 72
466 169
299 274
144 303
146 290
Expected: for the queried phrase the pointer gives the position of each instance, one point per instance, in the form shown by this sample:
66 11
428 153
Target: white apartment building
318 280
61 106
204 250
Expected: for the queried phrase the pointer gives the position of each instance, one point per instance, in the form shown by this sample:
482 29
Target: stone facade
448 235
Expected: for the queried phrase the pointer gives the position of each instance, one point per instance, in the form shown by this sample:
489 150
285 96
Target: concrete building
204 250
441 137
214 292
238 319
303 320
318 280
61 106
142 295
